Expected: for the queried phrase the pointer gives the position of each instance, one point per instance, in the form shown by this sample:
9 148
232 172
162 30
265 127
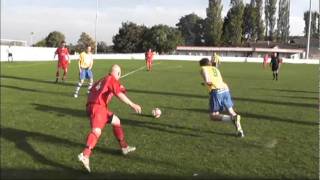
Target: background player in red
100 115
149 59
63 60
265 60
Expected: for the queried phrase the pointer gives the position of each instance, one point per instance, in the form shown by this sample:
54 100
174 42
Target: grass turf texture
43 127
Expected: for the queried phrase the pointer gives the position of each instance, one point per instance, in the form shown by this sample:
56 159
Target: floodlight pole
309 31
95 28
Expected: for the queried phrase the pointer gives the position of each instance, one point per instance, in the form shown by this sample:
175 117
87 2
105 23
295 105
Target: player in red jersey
63 60
97 108
149 59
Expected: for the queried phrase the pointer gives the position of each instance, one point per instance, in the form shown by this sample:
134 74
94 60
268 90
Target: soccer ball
156 112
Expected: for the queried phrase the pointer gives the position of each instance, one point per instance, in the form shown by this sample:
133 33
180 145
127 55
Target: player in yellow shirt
216 59
220 97
85 65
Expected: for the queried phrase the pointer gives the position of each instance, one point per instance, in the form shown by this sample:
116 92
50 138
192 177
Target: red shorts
63 64
149 61
99 115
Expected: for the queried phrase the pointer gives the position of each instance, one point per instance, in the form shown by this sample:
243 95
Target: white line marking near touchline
136 70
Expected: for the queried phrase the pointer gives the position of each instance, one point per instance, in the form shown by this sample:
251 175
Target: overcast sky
72 17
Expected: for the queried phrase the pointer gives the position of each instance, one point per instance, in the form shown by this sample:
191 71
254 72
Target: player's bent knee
96 131
115 120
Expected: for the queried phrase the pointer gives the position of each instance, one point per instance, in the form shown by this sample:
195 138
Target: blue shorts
86 74
220 99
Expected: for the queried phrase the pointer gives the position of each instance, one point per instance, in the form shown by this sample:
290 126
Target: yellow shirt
212 74
216 58
85 60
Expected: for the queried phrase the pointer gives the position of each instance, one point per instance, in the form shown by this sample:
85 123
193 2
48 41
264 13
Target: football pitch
43 128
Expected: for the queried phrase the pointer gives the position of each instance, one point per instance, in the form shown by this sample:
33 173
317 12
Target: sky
72 17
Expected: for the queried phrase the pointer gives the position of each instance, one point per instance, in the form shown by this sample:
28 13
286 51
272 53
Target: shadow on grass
298 97
34 90
20 139
11 173
158 127
288 90
277 102
168 93
61 111
186 95
178 127
256 116
36 80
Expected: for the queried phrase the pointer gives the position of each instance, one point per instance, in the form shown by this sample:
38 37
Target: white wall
46 54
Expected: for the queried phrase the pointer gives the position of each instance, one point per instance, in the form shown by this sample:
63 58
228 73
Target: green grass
43 127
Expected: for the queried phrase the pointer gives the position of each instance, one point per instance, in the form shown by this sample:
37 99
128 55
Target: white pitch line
136 70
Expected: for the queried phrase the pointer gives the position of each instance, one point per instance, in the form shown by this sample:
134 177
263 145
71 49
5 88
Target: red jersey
62 54
103 90
149 55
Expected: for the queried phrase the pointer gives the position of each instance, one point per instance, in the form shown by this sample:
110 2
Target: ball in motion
156 112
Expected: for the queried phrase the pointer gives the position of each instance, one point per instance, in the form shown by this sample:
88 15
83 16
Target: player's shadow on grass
20 139
259 117
287 90
35 80
187 95
13 173
158 127
61 111
34 90
174 126
82 113
277 103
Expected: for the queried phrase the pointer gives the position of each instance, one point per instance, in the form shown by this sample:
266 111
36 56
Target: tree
259 21
314 29
54 39
162 38
270 11
213 23
250 31
233 23
283 25
84 41
103 47
41 43
129 38
190 27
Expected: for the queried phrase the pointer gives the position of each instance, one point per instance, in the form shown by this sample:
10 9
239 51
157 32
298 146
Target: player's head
63 43
204 62
88 49
115 71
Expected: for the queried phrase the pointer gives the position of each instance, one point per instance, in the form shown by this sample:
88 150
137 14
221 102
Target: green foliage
103 47
283 25
129 38
233 23
43 127
270 12
213 23
54 39
41 43
162 38
259 21
253 28
84 41
191 28
314 28
250 31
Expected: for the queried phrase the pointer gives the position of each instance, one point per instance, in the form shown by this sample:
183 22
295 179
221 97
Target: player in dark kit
275 65
98 110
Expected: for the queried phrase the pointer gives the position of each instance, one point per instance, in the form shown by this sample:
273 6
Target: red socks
91 143
119 134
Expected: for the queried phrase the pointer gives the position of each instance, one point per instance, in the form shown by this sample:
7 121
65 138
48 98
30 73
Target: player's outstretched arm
126 100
